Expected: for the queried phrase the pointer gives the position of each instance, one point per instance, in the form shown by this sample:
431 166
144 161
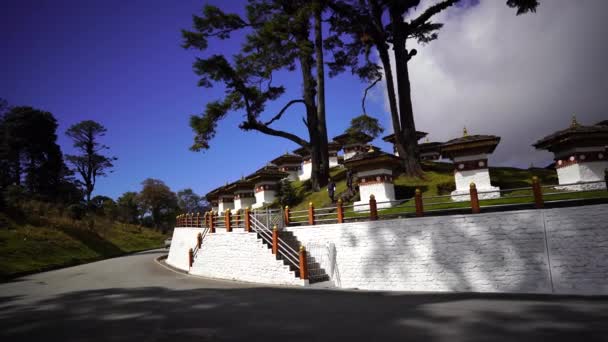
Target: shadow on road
161 314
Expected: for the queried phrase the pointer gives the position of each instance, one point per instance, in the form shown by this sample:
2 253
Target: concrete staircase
315 272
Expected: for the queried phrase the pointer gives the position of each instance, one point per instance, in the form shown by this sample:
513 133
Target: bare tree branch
278 116
431 11
365 93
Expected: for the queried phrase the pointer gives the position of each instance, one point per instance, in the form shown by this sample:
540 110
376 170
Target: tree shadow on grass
93 241
161 314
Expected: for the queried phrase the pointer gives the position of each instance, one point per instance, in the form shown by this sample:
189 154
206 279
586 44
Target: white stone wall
583 172
241 256
222 206
494 252
480 177
333 161
305 172
264 197
381 191
243 203
183 239
578 249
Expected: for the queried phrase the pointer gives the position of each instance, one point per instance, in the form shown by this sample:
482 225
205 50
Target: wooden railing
534 196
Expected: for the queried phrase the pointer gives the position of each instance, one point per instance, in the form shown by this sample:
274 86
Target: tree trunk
321 124
319 172
406 142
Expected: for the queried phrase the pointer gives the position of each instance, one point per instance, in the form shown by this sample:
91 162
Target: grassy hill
438 180
42 242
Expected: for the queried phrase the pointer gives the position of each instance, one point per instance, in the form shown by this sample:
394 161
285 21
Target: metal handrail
264 231
571 184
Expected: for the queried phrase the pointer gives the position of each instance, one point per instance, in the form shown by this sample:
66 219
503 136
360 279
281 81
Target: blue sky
120 63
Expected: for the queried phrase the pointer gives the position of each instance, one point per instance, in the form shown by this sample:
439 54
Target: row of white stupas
580 155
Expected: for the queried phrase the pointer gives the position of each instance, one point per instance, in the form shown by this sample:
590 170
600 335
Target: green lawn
27 248
439 181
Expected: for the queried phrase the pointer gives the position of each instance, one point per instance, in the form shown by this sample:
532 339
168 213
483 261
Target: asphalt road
135 299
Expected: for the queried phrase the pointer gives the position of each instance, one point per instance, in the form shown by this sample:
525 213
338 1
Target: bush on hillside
286 194
445 188
77 211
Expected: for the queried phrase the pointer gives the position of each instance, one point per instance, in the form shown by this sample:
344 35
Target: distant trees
190 202
360 26
159 201
364 124
30 156
129 208
90 163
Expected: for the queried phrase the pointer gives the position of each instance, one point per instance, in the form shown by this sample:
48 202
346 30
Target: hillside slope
51 242
438 180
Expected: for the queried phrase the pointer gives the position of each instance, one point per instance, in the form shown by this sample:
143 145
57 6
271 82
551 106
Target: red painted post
190 257
212 222
286 215
227 220
311 214
247 220
418 200
340 211
538 193
474 199
373 208
199 240
303 264
275 240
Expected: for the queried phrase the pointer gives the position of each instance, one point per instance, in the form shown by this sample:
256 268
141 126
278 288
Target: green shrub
445 188
77 211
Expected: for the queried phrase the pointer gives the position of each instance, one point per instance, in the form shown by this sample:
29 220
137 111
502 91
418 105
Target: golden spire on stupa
574 123
465 133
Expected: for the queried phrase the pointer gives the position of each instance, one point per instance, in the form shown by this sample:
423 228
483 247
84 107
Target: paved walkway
133 298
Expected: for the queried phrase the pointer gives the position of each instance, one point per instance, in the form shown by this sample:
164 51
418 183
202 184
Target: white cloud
519 77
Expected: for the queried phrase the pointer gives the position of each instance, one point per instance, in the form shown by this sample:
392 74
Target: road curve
134 298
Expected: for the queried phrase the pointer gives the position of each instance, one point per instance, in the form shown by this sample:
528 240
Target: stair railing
283 248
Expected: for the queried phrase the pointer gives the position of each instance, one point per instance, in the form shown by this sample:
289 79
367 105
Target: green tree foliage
30 156
90 163
364 124
286 194
278 39
190 202
129 208
160 202
387 26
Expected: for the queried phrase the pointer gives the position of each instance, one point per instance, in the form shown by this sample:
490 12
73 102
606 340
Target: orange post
247 220
237 216
212 222
303 264
373 208
538 194
199 240
190 257
311 214
287 215
227 220
275 240
474 199
340 211
198 219
418 200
